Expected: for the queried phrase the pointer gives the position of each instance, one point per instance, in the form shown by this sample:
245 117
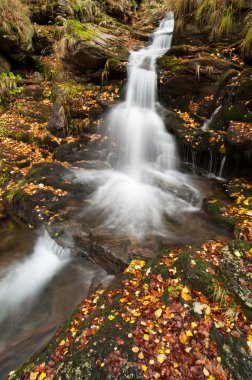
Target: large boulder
16 30
43 11
88 47
122 10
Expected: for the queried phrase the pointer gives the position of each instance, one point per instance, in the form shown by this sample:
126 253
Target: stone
58 123
87 47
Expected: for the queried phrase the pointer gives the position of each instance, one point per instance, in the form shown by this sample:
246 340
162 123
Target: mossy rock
16 30
88 47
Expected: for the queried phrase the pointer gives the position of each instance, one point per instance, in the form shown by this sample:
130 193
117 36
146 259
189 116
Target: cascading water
22 282
208 122
144 186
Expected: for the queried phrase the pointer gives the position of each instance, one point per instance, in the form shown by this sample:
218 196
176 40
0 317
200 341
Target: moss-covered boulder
44 190
16 30
88 47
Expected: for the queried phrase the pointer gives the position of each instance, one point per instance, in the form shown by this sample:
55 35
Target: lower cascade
22 282
144 186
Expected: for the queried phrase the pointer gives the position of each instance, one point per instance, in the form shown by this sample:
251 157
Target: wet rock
239 136
58 124
51 191
92 165
110 251
64 151
234 276
234 353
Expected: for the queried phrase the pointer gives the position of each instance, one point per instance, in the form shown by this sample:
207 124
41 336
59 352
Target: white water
21 283
145 185
208 122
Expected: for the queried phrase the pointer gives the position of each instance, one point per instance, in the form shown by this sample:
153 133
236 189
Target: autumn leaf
183 337
161 358
135 349
144 368
158 313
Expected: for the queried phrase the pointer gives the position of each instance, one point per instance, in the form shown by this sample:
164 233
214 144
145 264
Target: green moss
167 62
83 31
214 208
196 276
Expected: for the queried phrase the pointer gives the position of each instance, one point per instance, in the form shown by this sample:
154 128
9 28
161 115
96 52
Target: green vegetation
218 15
8 85
14 19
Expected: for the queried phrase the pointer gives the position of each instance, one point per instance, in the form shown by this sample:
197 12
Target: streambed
28 320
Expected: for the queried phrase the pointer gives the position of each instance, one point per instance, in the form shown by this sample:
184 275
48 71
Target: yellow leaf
144 367
219 325
42 376
194 324
188 349
146 337
185 290
183 337
211 377
249 337
205 371
158 313
135 349
33 375
189 333
175 365
161 358
141 355
111 317
186 296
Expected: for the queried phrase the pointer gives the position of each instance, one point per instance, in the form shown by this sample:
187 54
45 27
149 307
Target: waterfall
208 122
144 185
21 283
223 161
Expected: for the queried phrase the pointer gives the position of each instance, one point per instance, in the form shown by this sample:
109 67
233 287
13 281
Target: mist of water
22 282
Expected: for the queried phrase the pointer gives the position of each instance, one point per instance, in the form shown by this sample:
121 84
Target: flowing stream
144 186
142 194
40 284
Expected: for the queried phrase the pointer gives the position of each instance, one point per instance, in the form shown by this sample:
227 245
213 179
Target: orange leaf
183 337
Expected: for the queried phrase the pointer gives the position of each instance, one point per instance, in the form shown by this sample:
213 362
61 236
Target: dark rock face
42 44
87 57
42 12
58 123
239 136
5 66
